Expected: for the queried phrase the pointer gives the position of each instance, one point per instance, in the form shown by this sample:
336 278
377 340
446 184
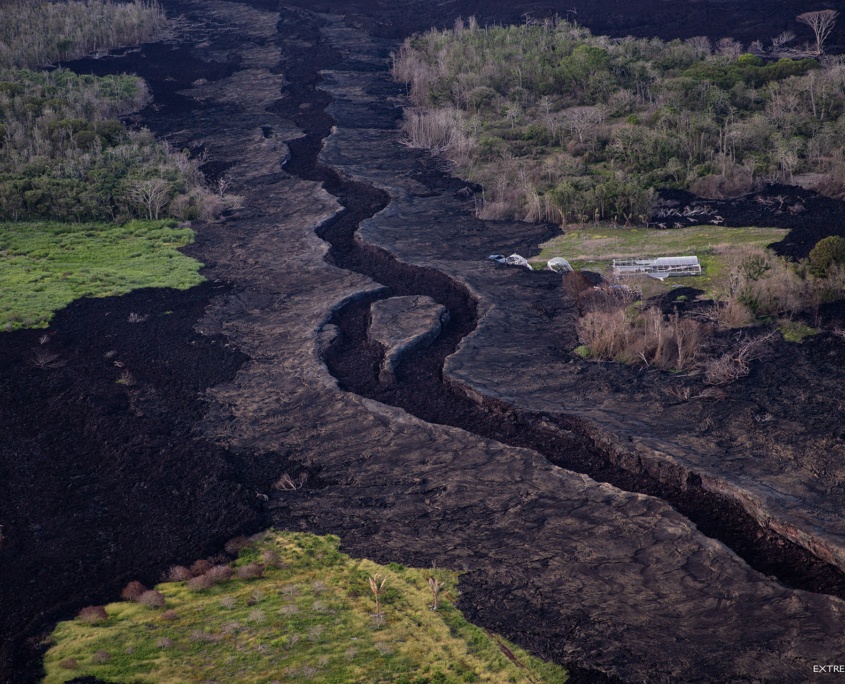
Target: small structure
512 260
660 268
558 265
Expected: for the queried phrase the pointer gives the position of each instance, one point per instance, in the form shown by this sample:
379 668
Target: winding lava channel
421 389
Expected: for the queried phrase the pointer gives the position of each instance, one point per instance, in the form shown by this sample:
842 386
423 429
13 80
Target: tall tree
822 23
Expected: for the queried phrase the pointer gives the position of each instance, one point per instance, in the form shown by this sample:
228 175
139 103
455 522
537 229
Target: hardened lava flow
421 389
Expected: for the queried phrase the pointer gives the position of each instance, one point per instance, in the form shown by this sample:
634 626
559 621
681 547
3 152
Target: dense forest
559 125
64 154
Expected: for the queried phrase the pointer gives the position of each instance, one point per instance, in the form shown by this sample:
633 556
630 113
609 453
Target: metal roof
676 261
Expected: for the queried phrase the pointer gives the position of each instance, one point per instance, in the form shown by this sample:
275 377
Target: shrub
101 657
69 664
250 571
219 573
178 573
582 350
200 567
169 615
643 337
200 583
271 559
93 615
736 181
152 599
133 591
234 545
736 363
827 252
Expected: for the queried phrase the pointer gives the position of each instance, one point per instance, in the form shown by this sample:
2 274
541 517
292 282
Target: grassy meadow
45 266
310 616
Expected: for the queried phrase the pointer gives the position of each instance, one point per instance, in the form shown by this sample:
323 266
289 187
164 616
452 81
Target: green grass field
594 248
309 618
45 266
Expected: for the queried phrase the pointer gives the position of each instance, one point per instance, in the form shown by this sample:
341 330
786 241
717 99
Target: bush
234 546
200 567
133 591
200 583
152 599
828 252
643 337
271 559
220 573
178 573
101 657
250 571
93 615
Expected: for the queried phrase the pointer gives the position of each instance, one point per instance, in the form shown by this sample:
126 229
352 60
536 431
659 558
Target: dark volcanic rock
402 324
102 482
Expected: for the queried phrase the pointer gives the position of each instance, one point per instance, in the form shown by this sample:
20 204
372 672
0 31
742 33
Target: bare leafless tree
701 46
780 40
151 195
288 483
736 364
579 120
729 48
821 22
435 586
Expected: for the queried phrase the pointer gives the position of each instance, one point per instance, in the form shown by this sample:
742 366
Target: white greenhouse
660 268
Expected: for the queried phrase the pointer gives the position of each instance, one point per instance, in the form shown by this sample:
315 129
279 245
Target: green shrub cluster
64 156
561 125
827 254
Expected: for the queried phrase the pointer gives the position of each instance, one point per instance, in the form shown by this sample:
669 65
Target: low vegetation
45 266
35 33
292 607
755 287
559 125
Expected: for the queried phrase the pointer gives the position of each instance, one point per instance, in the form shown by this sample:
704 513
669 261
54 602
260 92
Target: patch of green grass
45 266
309 618
583 351
795 331
594 247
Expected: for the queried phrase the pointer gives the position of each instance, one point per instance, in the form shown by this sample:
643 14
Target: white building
660 268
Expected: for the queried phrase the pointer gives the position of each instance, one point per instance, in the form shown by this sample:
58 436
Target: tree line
37 32
65 156
64 153
559 125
